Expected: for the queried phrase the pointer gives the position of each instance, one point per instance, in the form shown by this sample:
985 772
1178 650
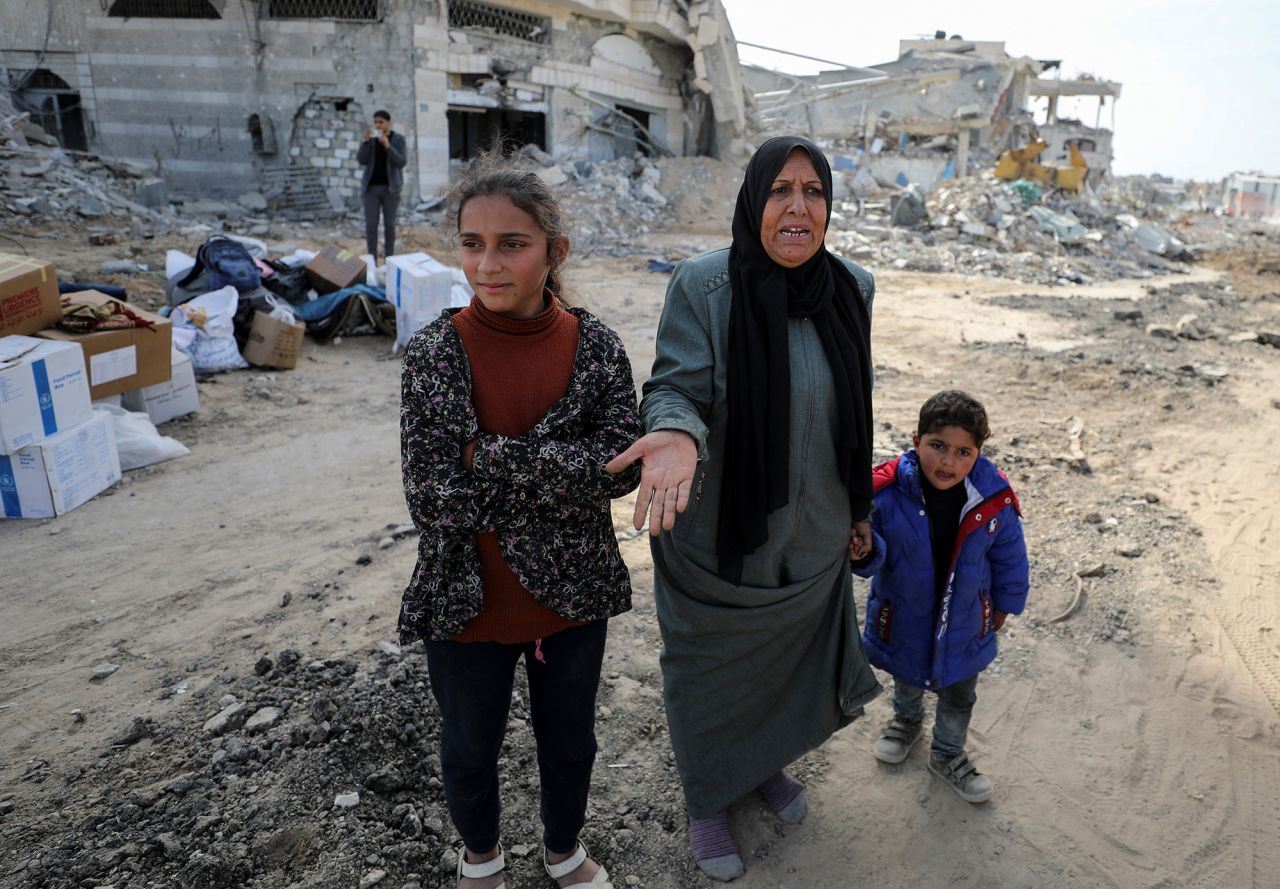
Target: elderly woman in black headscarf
757 486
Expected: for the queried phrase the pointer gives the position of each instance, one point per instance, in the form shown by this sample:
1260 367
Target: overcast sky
1201 78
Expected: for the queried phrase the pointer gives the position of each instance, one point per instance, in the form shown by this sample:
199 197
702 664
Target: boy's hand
997 620
860 540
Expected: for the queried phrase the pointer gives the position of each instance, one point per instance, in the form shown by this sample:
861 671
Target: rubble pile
981 225
311 772
41 181
607 204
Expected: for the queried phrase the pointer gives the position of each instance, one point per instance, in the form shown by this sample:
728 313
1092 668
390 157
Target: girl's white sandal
572 863
482 869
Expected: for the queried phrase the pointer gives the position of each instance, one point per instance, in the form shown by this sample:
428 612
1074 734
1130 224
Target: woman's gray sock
786 797
714 849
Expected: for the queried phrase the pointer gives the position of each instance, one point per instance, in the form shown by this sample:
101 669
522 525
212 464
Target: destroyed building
924 115
224 97
1251 195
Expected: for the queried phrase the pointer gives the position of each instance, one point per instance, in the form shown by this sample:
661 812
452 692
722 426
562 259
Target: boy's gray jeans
380 197
951 724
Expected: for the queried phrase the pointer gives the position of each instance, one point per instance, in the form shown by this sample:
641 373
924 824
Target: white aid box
419 287
43 389
176 397
60 473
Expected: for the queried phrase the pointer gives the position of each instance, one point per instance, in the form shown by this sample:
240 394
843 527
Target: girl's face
506 257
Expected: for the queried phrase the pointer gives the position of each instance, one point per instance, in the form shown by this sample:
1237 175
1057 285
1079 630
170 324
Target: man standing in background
382 154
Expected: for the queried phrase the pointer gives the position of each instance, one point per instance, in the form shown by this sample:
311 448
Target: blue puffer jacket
907 633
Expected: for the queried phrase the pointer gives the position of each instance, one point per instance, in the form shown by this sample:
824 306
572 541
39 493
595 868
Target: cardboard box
335 269
120 360
60 473
169 400
419 287
272 342
28 295
43 390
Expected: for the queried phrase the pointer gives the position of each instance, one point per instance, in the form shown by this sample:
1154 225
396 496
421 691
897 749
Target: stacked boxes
176 397
419 287
28 295
121 360
61 472
44 389
55 453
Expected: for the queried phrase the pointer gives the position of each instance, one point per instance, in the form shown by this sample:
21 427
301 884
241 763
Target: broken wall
718 76
180 94
575 77
1093 143
214 104
43 42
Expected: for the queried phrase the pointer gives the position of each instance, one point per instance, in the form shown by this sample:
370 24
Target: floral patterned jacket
545 494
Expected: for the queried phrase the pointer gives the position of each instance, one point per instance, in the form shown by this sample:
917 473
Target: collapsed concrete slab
942 105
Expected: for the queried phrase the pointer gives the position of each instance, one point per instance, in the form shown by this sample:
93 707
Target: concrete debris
982 225
102 671
611 202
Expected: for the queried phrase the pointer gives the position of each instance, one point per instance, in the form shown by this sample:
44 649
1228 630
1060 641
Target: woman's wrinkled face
794 223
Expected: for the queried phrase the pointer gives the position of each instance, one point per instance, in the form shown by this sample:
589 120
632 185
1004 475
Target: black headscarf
757 450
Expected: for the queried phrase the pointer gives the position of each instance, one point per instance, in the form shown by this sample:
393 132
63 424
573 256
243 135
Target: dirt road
1132 744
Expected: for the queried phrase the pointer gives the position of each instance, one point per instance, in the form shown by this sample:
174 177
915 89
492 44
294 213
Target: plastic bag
138 441
177 263
298 258
282 311
204 329
371 270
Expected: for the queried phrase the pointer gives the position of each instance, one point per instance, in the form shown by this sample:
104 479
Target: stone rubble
981 225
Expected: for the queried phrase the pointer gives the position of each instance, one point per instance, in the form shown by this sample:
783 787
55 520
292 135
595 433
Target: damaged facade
1251 195
926 114
224 97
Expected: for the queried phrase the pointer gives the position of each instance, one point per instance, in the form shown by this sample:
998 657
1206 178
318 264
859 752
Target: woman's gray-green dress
756 675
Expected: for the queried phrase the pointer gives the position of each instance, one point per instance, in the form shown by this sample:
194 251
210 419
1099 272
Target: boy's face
946 455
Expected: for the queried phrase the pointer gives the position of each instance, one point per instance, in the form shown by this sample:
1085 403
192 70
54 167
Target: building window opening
631 129
163 9
471 15
341 10
263 134
472 130
52 104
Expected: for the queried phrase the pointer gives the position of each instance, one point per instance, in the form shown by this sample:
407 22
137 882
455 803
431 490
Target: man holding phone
382 154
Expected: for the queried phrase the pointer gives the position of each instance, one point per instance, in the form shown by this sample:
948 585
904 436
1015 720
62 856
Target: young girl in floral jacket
510 409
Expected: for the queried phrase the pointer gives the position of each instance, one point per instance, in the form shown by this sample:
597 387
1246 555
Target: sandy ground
1132 744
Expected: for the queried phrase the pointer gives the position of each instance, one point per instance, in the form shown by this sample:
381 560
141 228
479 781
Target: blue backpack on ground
226 262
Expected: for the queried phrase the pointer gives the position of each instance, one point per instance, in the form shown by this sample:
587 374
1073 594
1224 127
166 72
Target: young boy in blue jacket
949 565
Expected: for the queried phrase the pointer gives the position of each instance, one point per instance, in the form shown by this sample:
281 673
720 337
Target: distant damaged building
926 114
221 97
1251 195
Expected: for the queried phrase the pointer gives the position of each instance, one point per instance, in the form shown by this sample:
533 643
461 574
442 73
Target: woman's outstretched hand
669 459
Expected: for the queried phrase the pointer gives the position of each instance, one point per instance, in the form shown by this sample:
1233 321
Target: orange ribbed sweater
519 369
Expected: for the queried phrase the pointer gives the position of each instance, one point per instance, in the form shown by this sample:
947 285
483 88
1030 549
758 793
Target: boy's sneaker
963 778
896 739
